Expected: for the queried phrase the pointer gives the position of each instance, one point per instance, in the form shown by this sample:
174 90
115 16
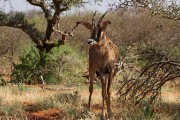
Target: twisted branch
147 85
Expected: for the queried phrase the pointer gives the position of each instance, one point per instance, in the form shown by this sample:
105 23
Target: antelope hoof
109 114
89 107
102 117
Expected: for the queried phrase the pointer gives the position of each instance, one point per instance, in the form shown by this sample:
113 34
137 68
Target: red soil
50 114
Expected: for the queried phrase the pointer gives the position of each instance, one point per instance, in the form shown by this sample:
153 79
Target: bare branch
61 32
43 6
156 7
149 82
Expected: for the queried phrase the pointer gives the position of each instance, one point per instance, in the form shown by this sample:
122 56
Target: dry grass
12 94
171 95
33 102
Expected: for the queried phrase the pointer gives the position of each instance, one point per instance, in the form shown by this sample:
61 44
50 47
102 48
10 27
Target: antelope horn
93 21
85 24
100 20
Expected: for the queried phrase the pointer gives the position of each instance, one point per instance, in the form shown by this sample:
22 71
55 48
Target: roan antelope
103 56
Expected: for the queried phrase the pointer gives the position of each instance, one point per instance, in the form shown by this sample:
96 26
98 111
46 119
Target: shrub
26 71
62 63
66 63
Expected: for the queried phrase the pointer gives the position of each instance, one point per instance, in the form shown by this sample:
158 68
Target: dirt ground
172 97
54 113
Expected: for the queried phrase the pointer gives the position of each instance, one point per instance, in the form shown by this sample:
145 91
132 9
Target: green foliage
148 111
39 22
63 63
18 18
3 16
70 2
28 69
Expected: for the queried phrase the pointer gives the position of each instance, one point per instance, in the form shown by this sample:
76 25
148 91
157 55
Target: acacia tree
52 10
170 10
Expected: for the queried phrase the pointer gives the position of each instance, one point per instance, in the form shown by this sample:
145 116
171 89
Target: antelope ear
85 24
104 25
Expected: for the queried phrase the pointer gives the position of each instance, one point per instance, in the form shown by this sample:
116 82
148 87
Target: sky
22 5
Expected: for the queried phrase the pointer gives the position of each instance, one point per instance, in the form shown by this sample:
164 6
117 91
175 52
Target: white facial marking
91 41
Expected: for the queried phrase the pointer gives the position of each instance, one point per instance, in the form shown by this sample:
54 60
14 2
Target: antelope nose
91 41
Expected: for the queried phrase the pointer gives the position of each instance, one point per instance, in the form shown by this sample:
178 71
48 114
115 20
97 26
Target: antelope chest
102 58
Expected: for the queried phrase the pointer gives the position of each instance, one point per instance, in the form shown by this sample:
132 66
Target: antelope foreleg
92 76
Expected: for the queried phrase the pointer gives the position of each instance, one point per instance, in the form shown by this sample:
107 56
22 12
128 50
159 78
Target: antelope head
97 30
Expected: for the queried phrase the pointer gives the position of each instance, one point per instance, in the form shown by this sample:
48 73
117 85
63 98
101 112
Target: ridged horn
93 21
100 20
